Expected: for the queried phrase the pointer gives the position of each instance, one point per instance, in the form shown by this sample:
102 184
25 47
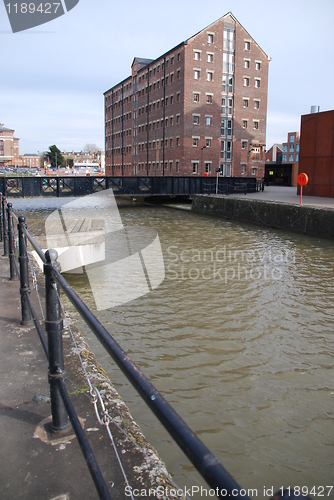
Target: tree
54 156
91 148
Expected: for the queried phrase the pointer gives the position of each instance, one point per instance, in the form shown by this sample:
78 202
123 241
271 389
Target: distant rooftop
142 61
2 127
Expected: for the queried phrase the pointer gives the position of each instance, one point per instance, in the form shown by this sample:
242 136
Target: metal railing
172 186
62 410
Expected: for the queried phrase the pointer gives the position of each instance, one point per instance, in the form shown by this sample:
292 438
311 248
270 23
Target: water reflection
245 356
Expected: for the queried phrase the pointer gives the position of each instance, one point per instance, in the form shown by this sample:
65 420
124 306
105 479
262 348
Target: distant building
85 159
274 154
30 161
317 152
282 162
199 107
291 155
9 147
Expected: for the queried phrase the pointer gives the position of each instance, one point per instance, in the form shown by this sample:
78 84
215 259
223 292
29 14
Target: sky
52 77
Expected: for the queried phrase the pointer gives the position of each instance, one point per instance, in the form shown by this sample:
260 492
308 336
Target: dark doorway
278 175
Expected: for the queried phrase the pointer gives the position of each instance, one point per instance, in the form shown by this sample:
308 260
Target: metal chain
95 396
105 419
35 284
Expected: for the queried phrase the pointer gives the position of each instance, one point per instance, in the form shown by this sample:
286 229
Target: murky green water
239 339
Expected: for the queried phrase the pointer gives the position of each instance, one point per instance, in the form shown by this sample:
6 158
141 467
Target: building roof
229 14
142 61
5 128
277 145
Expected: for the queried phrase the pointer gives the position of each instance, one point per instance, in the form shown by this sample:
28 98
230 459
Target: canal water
239 339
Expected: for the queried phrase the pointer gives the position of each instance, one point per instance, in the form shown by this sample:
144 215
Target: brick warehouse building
200 106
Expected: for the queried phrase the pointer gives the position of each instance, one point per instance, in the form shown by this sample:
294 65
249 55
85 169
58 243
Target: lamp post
217 172
204 147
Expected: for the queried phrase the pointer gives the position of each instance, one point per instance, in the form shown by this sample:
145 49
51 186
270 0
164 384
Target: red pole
301 194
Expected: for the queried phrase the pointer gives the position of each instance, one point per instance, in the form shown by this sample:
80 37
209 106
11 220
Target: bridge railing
62 409
54 186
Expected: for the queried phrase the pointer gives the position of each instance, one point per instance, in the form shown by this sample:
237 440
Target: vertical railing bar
24 271
1 223
37 325
54 328
84 445
5 233
12 268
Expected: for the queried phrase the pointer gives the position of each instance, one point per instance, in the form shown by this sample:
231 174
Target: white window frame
226 169
195 166
208 120
209 76
207 165
210 37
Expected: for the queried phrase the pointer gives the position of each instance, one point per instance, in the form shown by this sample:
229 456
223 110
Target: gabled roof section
141 61
5 128
229 14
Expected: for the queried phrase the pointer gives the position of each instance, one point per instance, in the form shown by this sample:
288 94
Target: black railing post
12 267
5 234
24 272
1 223
54 327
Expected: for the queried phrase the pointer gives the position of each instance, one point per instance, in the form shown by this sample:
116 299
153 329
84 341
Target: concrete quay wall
303 219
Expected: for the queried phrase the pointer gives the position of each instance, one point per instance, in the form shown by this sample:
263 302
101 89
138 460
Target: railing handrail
128 185
204 461
201 457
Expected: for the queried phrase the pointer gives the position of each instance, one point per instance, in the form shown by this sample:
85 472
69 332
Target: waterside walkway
284 194
36 464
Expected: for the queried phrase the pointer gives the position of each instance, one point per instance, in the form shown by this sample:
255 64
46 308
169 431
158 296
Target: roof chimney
315 109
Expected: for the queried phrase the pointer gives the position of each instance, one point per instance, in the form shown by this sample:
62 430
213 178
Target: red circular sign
302 179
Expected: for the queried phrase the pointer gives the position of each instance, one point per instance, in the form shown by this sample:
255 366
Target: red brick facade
193 110
317 153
